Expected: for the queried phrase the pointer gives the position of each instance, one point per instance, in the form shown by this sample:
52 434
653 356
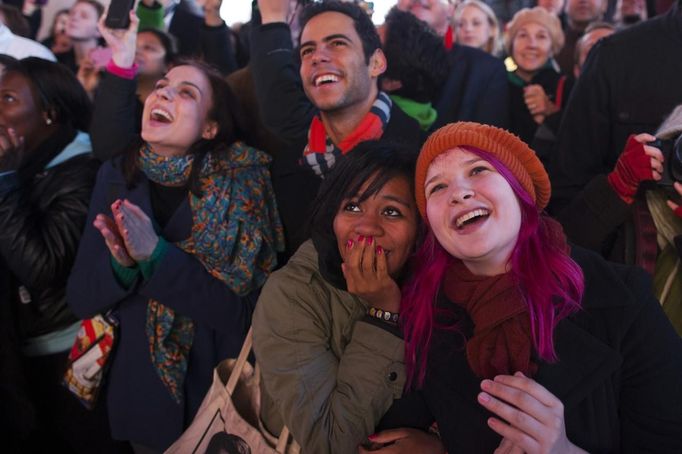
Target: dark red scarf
502 342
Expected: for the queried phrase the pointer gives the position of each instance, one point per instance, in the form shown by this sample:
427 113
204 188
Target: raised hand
366 273
530 417
404 440
273 10
136 230
12 149
123 42
113 239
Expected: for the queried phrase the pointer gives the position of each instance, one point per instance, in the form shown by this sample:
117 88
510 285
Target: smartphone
119 13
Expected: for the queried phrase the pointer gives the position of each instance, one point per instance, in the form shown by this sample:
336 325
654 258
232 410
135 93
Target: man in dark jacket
326 105
477 87
615 98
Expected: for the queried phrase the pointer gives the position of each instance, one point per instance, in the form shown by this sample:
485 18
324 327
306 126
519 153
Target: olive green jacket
326 374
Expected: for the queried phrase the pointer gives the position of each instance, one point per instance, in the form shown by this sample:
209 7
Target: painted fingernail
349 244
371 437
380 250
361 238
370 240
483 397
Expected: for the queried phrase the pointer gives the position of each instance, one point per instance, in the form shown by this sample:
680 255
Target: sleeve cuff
126 276
274 26
148 266
124 73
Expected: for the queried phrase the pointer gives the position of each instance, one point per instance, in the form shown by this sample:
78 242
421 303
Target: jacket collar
79 145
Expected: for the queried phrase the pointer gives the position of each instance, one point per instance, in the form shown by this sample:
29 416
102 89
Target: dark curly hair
416 56
374 162
362 22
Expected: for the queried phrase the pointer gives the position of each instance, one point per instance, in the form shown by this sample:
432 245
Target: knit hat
505 146
540 16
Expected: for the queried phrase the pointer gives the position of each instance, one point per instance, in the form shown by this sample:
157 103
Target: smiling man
321 99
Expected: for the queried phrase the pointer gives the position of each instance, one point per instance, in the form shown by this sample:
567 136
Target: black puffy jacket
42 214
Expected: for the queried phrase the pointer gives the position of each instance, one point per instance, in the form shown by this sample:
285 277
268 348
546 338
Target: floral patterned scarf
236 233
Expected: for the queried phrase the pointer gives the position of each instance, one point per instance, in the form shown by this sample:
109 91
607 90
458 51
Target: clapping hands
129 234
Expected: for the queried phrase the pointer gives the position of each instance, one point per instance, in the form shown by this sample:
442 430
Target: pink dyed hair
550 280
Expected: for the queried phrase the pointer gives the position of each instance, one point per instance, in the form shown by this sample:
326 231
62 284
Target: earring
48 121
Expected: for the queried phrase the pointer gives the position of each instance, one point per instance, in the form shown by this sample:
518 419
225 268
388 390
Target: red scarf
321 153
449 38
502 342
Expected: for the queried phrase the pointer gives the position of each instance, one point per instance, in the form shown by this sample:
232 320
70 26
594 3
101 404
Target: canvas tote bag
227 421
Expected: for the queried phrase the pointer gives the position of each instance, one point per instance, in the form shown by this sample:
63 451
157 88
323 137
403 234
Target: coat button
393 376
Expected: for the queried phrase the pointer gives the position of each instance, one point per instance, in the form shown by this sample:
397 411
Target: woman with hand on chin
182 231
515 340
325 332
537 91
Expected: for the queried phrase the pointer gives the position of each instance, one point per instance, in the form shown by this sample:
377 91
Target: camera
672 160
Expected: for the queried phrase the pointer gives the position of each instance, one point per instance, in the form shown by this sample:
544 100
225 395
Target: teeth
470 215
325 78
161 113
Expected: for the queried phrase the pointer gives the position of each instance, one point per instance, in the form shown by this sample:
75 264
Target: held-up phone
118 15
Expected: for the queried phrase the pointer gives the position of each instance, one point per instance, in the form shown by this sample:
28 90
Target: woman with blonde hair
477 26
537 90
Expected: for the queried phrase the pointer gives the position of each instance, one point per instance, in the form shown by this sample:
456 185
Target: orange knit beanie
505 146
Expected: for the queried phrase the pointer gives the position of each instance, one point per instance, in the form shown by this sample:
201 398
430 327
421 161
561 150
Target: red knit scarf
502 342
321 153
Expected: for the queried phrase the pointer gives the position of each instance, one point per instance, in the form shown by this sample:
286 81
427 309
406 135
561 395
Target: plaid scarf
321 153
236 233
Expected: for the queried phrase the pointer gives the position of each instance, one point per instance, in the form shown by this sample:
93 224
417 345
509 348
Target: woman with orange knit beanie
516 341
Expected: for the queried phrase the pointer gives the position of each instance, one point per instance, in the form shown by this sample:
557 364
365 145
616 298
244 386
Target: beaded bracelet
386 316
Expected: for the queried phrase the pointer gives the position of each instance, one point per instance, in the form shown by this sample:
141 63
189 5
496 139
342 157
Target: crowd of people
458 231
